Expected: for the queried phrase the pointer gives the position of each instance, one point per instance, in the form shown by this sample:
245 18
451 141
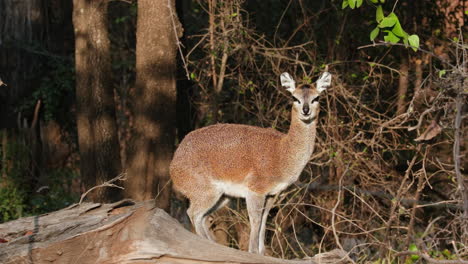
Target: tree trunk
122 232
151 147
97 130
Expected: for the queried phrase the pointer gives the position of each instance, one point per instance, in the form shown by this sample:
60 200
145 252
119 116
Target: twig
421 118
297 240
280 21
419 188
405 201
172 14
212 45
333 212
462 188
456 153
222 69
397 199
109 183
371 64
279 56
394 6
383 43
36 114
429 226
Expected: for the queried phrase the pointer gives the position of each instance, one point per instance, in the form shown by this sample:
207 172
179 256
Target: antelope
220 161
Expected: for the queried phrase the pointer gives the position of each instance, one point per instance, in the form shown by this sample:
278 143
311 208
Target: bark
122 232
151 147
97 130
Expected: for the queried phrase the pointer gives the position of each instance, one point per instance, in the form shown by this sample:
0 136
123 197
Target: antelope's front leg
255 203
268 204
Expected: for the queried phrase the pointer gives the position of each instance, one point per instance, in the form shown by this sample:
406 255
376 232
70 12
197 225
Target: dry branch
109 183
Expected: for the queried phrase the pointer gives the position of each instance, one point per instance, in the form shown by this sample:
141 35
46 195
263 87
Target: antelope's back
226 152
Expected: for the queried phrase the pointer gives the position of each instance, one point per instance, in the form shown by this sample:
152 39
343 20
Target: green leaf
414 42
393 15
398 30
391 38
413 248
374 33
345 4
358 3
379 14
388 21
405 40
374 1
352 3
442 73
447 254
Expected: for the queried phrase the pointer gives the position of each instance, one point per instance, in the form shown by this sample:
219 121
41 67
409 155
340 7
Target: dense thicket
389 171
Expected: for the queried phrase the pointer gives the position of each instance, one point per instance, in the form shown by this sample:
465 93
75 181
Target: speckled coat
246 161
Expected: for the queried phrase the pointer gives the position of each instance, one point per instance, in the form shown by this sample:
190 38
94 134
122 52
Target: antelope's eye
315 100
296 100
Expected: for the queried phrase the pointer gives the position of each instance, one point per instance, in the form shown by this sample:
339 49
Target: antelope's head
306 96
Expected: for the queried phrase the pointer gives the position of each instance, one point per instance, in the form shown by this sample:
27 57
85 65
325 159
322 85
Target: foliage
14 166
11 203
389 24
21 192
55 90
56 195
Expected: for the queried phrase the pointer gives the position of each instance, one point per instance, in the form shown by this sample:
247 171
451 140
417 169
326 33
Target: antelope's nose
306 110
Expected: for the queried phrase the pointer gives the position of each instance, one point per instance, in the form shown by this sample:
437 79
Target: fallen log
122 232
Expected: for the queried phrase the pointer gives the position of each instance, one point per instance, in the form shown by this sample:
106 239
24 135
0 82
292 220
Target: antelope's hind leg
200 207
266 210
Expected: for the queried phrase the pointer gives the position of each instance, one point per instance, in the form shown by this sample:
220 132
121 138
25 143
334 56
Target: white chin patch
307 119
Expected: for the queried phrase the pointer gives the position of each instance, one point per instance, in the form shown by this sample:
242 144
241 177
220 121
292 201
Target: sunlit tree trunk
154 103
97 130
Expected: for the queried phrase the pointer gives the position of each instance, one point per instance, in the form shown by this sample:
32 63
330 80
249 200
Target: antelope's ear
288 82
323 82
